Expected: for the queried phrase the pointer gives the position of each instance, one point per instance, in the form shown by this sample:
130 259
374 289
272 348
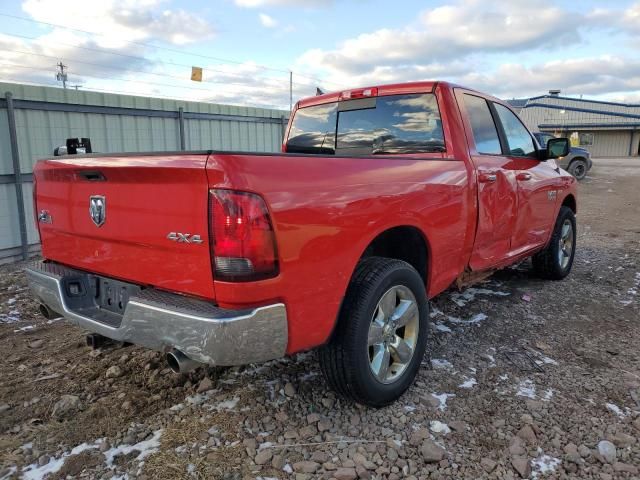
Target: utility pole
290 91
61 76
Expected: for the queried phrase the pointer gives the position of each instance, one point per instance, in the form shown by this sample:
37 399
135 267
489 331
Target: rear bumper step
164 321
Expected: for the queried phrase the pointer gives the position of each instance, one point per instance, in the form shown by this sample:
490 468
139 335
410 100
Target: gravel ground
527 379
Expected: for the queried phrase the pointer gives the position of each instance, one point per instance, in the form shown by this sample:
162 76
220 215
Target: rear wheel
578 168
380 339
556 260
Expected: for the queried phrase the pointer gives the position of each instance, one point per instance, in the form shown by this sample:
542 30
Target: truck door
496 183
536 181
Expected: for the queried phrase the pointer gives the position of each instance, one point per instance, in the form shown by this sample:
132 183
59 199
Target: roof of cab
391 89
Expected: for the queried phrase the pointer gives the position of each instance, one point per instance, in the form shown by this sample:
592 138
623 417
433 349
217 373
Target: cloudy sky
510 48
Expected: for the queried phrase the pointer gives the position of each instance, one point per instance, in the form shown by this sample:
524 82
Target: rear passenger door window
519 139
485 133
389 125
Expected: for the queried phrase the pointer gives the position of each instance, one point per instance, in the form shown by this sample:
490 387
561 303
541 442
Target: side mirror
557 147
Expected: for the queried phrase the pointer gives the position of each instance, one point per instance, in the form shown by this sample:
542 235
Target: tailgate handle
92 175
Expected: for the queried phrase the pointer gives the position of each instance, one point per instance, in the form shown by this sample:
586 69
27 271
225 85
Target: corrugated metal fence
34 120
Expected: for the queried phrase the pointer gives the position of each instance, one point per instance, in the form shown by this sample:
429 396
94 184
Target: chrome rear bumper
163 321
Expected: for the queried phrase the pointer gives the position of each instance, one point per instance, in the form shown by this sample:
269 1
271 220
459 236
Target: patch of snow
435 311
36 472
9 473
548 360
441 327
441 364
438 427
287 469
11 301
616 409
307 376
468 295
474 320
409 408
9 318
145 447
543 465
24 329
548 395
198 398
468 383
526 388
503 377
442 398
227 404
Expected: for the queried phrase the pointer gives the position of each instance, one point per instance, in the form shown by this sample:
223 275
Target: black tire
547 263
345 360
578 168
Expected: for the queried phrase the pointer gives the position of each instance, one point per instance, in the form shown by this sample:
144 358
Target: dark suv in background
577 163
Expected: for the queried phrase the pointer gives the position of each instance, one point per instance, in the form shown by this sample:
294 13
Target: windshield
543 138
381 125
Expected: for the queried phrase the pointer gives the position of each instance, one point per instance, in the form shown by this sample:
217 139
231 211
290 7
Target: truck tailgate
128 217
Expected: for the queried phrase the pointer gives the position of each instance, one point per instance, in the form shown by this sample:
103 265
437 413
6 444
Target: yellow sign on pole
196 74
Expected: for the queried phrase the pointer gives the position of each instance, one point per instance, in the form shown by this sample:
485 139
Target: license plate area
113 295
100 298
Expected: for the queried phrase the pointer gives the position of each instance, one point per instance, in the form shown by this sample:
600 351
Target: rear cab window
385 125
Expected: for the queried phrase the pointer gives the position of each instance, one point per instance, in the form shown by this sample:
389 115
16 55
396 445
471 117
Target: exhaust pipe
47 313
179 363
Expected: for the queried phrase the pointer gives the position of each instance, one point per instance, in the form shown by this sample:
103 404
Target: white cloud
590 76
267 21
453 31
116 22
282 3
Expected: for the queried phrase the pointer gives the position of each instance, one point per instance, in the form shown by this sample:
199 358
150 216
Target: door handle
488 177
523 176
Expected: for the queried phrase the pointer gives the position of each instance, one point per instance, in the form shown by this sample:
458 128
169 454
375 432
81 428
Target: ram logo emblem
184 237
98 209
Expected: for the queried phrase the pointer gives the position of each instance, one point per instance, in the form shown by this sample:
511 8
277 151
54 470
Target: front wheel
380 339
556 260
578 169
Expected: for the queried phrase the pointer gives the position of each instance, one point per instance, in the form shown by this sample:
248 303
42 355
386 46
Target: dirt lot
526 379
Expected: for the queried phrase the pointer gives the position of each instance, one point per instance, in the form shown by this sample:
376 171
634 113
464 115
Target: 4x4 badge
98 209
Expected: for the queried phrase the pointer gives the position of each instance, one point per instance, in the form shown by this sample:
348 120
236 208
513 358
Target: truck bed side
327 210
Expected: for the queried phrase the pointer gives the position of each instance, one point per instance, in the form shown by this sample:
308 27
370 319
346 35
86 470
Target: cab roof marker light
361 93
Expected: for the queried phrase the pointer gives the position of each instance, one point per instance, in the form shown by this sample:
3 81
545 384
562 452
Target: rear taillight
36 214
243 244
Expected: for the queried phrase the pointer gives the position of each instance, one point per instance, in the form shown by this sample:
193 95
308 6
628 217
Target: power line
145 82
134 57
127 92
157 47
127 70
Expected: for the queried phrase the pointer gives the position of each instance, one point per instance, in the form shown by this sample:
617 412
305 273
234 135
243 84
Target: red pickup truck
382 198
